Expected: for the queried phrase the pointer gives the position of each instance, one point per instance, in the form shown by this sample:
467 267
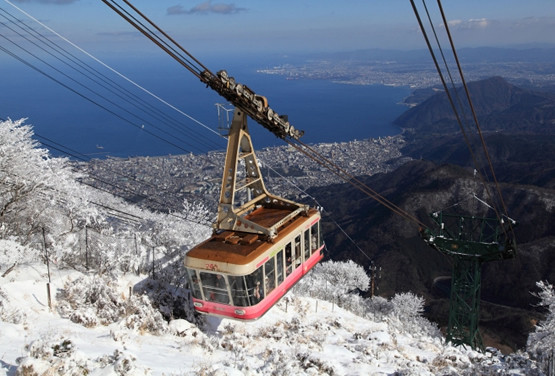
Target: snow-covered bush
173 301
493 362
95 300
13 253
58 356
9 312
141 316
314 364
407 305
407 310
52 356
353 302
332 279
542 341
91 301
122 364
379 306
340 283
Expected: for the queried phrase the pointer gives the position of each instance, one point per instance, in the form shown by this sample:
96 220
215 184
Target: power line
103 81
112 69
334 168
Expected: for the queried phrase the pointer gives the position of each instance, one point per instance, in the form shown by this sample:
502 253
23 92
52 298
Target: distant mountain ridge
499 105
542 54
518 126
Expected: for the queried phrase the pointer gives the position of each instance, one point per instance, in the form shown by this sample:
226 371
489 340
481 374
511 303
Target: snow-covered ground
298 336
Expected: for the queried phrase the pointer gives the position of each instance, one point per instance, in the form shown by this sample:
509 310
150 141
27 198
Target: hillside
517 158
499 106
408 264
300 336
523 164
522 149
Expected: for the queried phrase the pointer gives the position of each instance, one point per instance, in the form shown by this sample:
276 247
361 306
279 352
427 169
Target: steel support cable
61 200
323 161
145 30
451 79
67 64
323 211
449 97
168 118
451 100
118 90
112 69
95 177
474 115
112 193
167 36
445 86
351 179
77 155
116 195
154 38
129 191
109 183
143 120
69 56
459 101
169 213
83 96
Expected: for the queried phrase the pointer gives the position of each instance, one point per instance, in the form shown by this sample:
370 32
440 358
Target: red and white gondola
241 276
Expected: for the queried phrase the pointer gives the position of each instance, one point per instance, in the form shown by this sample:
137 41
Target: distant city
163 183
535 68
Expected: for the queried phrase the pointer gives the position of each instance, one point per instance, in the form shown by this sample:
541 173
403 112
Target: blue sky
221 26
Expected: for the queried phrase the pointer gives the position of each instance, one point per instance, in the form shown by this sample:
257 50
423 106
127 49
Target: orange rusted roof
267 217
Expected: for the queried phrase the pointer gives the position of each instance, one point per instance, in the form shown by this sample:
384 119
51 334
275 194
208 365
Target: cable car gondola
261 246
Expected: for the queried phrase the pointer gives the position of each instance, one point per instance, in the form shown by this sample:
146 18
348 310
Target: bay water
109 116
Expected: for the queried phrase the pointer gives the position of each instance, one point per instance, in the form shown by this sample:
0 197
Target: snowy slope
299 336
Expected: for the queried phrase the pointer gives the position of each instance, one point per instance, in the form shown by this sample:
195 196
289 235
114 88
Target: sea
99 114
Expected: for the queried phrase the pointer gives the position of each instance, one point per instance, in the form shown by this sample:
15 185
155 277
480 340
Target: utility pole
86 247
373 277
47 268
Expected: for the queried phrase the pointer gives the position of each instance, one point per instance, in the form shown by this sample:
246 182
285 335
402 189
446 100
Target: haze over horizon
216 28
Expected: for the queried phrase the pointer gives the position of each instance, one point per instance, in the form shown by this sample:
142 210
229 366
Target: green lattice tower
470 241
464 306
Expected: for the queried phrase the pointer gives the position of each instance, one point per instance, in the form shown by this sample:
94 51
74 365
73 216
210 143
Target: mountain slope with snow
300 336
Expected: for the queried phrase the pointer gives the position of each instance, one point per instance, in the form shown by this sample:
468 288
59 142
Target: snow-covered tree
338 282
542 341
36 191
40 195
